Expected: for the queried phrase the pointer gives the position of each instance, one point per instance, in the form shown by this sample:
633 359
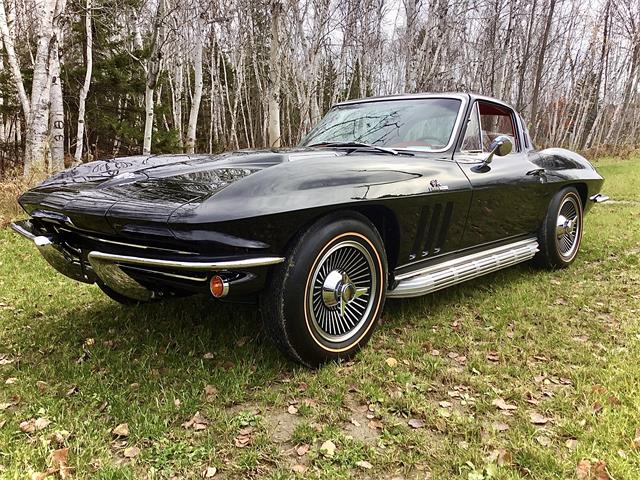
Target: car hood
97 195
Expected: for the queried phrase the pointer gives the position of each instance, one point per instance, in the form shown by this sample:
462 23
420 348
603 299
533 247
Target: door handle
537 172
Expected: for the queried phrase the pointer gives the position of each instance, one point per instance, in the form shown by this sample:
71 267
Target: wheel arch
583 191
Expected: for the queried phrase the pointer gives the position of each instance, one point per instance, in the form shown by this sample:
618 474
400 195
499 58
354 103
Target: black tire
297 308
561 232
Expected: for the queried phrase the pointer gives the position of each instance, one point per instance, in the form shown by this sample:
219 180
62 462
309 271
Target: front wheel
325 300
561 231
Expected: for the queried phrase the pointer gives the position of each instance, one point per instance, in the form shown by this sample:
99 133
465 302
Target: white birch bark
84 91
12 58
56 120
36 139
273 118
197 89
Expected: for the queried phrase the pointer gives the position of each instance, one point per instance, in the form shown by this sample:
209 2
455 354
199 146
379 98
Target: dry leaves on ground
122 430
392 362
586 470
538 419
244 437
302 450
328 448
209 472
131 452
415 423
197 422
502 405
34 425
364 464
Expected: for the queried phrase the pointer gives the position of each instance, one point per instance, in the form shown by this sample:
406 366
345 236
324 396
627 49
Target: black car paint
428 205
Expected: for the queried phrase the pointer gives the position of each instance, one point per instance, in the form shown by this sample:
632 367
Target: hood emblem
436 186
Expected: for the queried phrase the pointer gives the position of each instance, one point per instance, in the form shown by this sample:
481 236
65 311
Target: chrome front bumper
599 198
107 267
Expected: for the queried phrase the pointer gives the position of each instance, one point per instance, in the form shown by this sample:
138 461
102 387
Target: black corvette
386 197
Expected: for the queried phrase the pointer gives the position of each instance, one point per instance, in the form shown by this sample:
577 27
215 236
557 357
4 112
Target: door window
488 121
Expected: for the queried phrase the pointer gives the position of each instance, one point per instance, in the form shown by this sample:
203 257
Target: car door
507 196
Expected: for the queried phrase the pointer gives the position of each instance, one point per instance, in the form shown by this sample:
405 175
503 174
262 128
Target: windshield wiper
359 145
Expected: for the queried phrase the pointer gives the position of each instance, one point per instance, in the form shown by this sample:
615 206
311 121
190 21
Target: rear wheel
561 232
325 300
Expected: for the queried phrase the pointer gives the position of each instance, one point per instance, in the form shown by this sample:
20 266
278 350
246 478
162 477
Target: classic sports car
386 197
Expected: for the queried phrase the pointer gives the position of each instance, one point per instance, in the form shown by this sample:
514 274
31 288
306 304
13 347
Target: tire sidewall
302 262
556 259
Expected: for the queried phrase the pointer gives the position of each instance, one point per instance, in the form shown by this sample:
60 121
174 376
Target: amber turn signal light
218 286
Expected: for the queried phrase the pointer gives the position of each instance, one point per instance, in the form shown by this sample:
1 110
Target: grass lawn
519 374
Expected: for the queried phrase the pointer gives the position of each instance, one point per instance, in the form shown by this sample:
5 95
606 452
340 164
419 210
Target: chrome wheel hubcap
568 228
341 293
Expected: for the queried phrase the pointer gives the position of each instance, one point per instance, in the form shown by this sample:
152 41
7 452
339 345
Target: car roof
412 96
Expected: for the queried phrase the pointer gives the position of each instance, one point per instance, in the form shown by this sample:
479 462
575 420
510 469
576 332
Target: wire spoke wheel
343 290
568 227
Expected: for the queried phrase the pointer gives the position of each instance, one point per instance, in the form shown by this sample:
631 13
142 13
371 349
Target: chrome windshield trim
186 265
464 101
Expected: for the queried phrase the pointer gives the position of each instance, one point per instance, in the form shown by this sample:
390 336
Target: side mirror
500 146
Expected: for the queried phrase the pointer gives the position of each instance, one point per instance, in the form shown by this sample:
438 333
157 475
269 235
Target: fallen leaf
121 430
11 380
538 419
375 425
499 456
207 356
197 422
292 409
589 471
210 392
131 452
328 448
60 460
500 426
502 405
571 443
445 404
41 386
597 408
543 440
72 391
299 468
209 472
364 464
636 441
392 362
59 437
355 422
34 425
493 356
302 449
415 423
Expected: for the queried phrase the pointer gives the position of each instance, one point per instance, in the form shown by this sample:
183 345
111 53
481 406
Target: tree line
88 79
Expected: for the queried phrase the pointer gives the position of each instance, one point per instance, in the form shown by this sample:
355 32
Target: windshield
422 124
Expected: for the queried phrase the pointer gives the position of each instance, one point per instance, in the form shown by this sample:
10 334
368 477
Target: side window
472 141
496 120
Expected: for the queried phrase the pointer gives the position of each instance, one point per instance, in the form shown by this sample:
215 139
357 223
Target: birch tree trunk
197 90
57 114
273 118
539 69
154 64
84 91
36 139
56 120
16 74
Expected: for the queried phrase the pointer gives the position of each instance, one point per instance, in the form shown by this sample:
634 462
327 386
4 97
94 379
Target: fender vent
432 230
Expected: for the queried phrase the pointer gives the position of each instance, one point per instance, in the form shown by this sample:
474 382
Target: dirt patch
281 425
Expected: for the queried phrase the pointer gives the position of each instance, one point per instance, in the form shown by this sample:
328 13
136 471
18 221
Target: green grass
563 344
